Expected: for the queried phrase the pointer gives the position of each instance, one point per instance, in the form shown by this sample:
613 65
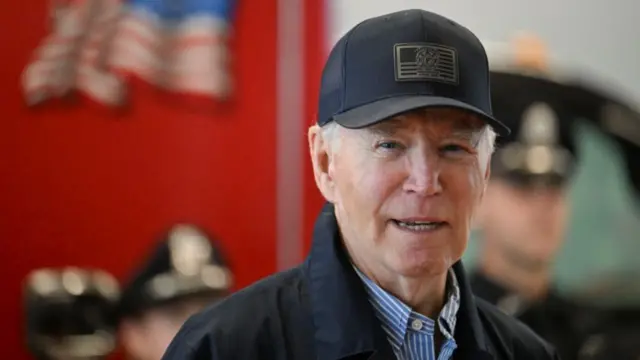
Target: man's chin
420 268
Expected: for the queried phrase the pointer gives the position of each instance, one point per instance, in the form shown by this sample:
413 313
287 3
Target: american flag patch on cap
426 62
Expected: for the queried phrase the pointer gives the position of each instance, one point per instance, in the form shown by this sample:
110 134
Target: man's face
147 337
405 190
524 223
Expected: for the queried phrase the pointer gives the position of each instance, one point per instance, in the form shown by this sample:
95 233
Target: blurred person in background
525 211
524 216
70 313
186 272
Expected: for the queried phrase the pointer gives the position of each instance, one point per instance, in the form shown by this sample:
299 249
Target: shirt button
416 324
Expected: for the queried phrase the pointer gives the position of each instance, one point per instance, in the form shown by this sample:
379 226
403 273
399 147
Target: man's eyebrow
387 128
465 128
470 134
464 133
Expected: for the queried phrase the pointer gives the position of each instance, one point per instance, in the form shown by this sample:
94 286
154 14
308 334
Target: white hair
486 141
486 146
330 134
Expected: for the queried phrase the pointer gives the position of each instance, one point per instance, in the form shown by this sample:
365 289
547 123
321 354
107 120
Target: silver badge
426 62
540 132
539 125
190 250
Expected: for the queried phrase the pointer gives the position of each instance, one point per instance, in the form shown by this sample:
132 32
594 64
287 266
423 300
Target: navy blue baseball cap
403 61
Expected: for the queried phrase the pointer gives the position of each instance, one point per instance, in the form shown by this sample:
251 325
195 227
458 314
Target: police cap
523 74
541 148
186 263
70 313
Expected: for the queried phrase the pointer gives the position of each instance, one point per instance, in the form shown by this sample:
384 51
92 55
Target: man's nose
424 176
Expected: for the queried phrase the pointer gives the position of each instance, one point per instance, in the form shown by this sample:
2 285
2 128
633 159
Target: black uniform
187 264
618 333
565 324
320 310
618 337
521 101
578 330
70 313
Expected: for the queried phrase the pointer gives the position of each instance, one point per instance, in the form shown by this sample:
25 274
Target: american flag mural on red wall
71 55
94 46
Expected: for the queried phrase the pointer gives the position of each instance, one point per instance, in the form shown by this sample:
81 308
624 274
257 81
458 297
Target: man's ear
480 212
487 173
487 176
319 148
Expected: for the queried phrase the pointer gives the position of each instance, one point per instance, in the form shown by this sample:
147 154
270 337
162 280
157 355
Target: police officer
524 214
525 210
70 313
186 272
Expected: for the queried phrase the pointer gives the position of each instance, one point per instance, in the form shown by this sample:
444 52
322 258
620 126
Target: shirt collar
396 317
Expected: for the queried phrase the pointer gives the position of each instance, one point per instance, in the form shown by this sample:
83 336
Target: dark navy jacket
319 310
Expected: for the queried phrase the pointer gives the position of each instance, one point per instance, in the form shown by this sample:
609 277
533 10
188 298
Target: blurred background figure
524 215
185 273
525 212
70 314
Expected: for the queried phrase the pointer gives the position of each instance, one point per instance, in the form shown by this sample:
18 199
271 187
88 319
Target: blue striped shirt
412 334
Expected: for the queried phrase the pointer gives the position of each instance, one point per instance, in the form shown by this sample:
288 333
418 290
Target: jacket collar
345 324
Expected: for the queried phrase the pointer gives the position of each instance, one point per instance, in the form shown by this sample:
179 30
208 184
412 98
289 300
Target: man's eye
388 145
453 148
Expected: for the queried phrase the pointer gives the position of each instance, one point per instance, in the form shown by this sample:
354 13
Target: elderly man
401 153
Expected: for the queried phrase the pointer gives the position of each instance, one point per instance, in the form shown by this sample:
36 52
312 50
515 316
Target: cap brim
383 109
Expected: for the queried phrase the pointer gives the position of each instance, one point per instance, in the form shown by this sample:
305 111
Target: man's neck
530 281
424 295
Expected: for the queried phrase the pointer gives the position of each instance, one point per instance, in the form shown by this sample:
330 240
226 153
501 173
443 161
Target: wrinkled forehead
444 122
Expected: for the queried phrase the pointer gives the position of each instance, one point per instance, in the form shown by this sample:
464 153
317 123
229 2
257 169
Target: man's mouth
419 226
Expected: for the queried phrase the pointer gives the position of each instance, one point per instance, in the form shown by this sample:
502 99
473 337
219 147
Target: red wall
84 186
315 54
